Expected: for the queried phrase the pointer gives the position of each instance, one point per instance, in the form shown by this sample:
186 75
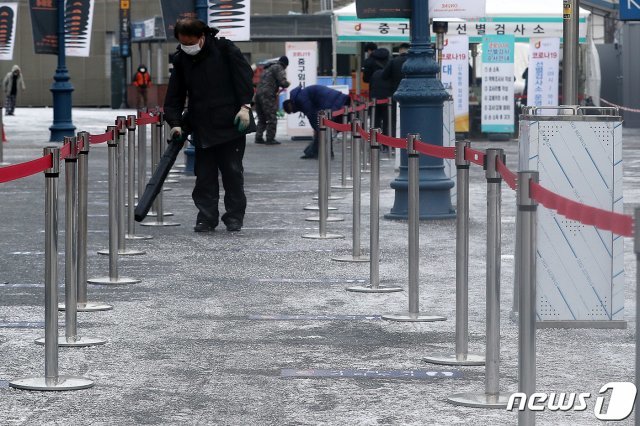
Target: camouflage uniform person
272 80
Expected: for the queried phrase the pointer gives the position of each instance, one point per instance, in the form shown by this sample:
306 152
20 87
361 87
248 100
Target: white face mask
191 50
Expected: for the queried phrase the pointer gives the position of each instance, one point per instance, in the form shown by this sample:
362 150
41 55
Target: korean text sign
455 77
543 72
498 107
302 71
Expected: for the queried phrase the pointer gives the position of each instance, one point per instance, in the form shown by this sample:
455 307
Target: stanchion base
442 359
316 208
137 237
381 288
351 258
154 214
342 187
109 281
325 237
331 198
159 224
171 181
79 342
125 252
410 317
4 163
329 219
61 383
479 400
88 307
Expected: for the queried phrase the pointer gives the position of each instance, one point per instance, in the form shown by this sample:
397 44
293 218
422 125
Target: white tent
522 18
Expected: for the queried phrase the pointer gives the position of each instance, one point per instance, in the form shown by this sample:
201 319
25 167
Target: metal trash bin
580 269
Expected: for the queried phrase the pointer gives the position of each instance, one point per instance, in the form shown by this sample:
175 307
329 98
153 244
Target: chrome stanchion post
329 115
83 200
356 254
491 398
374 223
527 208
71 338
121 125
142 157
343 160
636 249
414 314
157 140
462 355
365 147
390 127
2 162
51 380
131 182
113 277
323 190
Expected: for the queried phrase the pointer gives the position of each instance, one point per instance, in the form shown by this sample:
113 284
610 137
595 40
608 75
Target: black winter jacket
217 81
376 61
393 71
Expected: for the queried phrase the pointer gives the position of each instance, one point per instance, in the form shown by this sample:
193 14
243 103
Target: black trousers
225 159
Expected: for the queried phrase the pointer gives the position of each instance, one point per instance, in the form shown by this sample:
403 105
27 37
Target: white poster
232 18
498 107
457 8
78 27
8 19
455 77
543 72
302 71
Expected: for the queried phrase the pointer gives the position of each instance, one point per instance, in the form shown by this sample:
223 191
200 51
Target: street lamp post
61 88
421 96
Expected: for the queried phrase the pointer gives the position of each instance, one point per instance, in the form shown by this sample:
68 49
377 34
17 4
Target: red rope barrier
476 157
617 223
507 175
392 142
361 108
337 126
382 101
365 135
147 119
65 151
337 113
435 150
29 168
105 137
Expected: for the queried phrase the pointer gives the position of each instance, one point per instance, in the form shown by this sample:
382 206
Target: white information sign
457 8
455 77
302 71
543 72
498 108
231 18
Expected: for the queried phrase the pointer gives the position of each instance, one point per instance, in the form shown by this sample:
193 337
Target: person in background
11 81
142 81
217 79
379 88
273 78
393 73
309 101
376 59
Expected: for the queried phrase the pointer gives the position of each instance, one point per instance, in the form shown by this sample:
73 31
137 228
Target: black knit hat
284 61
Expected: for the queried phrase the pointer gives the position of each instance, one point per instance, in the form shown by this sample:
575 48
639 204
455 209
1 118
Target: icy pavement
255 328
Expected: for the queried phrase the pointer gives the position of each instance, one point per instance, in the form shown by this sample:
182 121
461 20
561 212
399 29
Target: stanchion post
51 380
83 203
157 140
113 278
142 157
636 249
374 223
413 314
131 181
356 254
121 124
2 162
343 160
526 240
461 355
323 190
71 338
491 398
364 146
389 128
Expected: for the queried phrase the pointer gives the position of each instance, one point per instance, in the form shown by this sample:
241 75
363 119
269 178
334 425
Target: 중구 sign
302 71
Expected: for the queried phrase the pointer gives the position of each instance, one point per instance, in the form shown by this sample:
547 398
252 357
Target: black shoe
260 141
272 142
234 226
203 227
309 157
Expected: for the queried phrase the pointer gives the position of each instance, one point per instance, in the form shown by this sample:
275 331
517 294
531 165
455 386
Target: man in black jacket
217 80
392 72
